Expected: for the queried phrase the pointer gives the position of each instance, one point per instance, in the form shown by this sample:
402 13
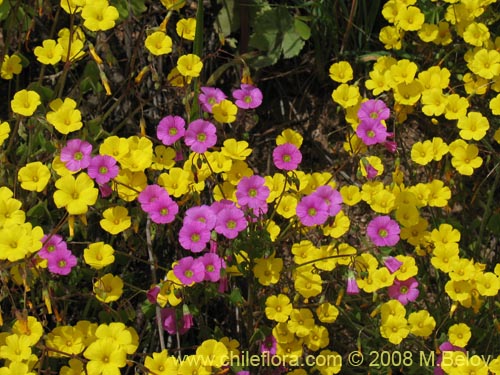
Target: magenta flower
61 262
200 135
189 270
383 231
269 345
170 322
352 284
201 215
371 132
404 291
149 195
373 110
187 317
194 236
251 192
445 347
312 210
392 264
332 198
51 244
213 265
152 294
163 210
102 168
287 157
170 129
76 154
230 222
210 96
247 96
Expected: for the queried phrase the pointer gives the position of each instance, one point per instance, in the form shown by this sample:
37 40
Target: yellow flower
410 19
11 65
317 339
476 34
76 194
29 327
108 288
307 283
34 176
395 329
158 43
485 63
327 313
487 284
456 107
50 53
301 322
278 308
465 157
72 6
25 102
341 72
115 220
421 323
186 28
173 4
4 132
225 111
64 116
235 150
267 270
189 65
289 136
428 32
473 126
459 334
17 348
214 352
105 357
346 95
422 153
391 37
71 50
433 102
99 15
99 255
161 363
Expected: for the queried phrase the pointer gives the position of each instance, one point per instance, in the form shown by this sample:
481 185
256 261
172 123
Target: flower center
312 212
103 170
247 99
370 134
287 158
252 192
403 289
201 137
164 211
188 273
195 237
210 268
172 131
382 233
78 155
231 224
62 263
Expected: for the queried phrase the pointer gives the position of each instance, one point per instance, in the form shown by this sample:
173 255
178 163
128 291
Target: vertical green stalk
198 51
489 205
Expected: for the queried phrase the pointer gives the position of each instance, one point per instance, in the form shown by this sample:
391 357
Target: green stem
487 212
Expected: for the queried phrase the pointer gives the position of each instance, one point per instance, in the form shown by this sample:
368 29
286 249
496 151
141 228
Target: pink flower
61 262
102 168
392 264
230 222
404 291
352 284
163 210
383 231
210 96
373 110
201 215
247 96
200 135
187 317
170 322
332 198
51 243
76 154
445 347
287 157
213 265
312 210
189 270
371 132
251 192
149 195
194 236
152 294
170 129
269 345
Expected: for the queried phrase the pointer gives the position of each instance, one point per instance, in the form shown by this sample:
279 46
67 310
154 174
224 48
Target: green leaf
235 297
302 29
292 45
228 19
4 10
